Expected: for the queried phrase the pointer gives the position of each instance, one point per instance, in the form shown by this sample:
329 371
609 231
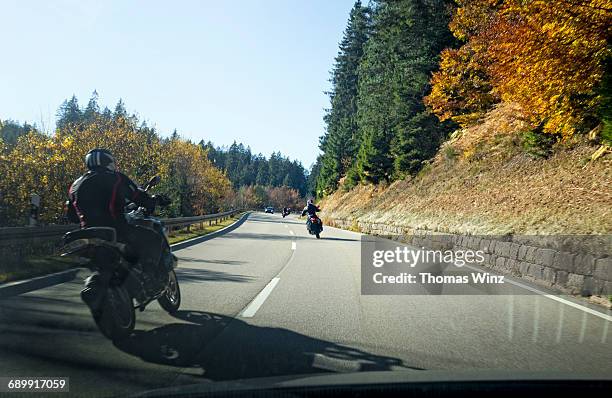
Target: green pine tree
120 111
417 132
92 111
341 142
375 99
397 131
313 175
69 114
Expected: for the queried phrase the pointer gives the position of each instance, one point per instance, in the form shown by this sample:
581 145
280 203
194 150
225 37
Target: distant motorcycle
130 287
286 212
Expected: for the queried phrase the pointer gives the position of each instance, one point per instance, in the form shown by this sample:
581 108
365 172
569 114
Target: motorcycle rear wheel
171 299
117 317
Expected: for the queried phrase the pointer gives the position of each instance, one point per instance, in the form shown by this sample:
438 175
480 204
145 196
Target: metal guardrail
188 221
43 232
57 231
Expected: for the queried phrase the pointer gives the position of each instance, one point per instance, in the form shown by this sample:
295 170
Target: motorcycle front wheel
117 318
171 299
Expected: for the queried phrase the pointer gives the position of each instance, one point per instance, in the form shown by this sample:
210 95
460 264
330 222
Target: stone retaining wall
571 264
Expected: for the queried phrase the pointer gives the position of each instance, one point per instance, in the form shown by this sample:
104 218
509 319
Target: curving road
268 299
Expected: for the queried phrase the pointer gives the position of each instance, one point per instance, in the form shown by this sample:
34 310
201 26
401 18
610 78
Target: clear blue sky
252 71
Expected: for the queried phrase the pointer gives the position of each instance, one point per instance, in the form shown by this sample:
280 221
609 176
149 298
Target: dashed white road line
291 232
252 308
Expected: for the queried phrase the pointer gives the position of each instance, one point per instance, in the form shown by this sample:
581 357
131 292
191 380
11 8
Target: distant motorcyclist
311 209
98 199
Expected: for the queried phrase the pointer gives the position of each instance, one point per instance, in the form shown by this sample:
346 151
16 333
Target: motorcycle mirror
152 182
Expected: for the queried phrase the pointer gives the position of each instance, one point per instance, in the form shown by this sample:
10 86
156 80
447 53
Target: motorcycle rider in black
311 209
98 199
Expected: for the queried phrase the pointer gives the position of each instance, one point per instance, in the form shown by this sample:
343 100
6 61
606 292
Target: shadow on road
193 275
228 348
275 221
248 235
209 261
323 237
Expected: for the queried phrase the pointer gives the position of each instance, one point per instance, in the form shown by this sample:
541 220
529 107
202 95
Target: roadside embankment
548 220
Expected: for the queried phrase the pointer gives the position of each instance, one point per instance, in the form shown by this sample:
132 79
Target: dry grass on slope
484 183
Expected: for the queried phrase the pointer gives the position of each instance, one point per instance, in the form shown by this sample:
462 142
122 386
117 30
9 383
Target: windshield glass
206 192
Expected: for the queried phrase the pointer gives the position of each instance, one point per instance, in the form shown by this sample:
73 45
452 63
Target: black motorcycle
314 225
286 212
130 287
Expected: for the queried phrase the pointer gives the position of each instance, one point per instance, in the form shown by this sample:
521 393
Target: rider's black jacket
311 209
98 198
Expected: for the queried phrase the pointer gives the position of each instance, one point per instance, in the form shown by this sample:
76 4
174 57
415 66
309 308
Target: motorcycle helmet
99 157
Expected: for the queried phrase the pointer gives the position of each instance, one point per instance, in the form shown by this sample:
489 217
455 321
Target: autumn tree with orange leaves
549 57
48 164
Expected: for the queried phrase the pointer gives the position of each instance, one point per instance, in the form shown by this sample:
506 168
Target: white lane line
292 233
551 296
257 302
293 245
252 308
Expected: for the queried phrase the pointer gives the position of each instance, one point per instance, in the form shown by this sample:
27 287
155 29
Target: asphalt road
268 299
